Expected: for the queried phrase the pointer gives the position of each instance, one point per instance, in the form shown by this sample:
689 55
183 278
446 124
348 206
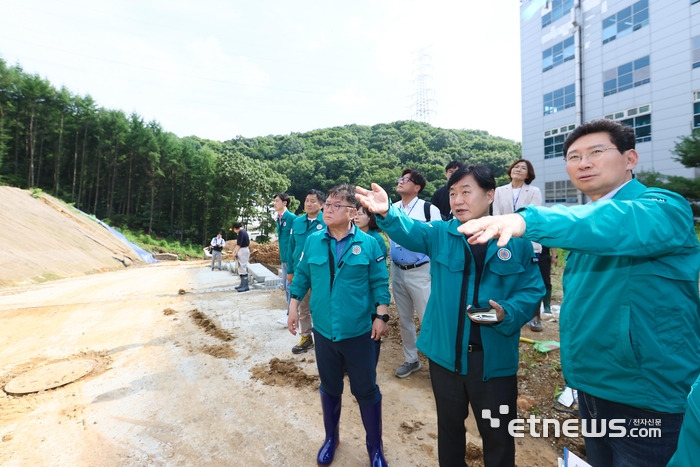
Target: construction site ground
190 373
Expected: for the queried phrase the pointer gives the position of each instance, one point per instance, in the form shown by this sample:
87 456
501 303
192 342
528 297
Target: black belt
475 348
406 267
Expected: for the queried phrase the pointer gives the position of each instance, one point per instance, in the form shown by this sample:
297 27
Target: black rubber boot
547 301
244 284
372 420
331 422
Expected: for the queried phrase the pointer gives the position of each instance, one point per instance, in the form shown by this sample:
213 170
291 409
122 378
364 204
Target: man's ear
632 159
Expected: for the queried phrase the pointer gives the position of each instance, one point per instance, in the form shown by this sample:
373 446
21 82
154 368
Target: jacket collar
631 190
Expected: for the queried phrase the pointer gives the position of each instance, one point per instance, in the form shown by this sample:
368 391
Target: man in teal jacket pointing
630 319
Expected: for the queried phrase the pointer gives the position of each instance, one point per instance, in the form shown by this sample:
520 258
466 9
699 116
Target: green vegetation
117 166
184 250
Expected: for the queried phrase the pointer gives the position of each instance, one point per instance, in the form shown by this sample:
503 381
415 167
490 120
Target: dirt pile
45 239
283 373
267 253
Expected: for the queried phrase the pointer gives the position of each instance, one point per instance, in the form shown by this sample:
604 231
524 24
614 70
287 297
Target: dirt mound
210 328
220 351
283 373
43 239
268 253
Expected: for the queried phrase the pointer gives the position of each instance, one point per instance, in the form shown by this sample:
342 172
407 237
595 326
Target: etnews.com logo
614 428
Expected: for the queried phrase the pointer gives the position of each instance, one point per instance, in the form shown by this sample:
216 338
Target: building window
561 99
638 118
696 108
694 1
560 191
559 9
554 141
558 54
696 51
627 76
625 21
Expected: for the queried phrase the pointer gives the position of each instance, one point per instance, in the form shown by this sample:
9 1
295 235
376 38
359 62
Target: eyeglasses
334 207
405 179
592 156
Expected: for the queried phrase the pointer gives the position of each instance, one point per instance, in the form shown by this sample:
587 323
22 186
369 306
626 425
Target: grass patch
151 243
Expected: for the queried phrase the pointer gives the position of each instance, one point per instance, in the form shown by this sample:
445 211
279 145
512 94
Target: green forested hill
134 173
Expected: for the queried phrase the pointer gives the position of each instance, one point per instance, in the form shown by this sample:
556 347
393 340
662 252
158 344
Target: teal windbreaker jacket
510 277
301 229
284 234
630 319
341 308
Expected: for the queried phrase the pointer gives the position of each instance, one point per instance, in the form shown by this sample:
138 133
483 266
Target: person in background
547 258
630 319
284 221
516 194
367 222
347 272
441 197
241 253
410 270
303 226
217 246
472 362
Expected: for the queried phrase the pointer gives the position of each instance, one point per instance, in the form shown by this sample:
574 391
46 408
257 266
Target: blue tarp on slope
145 256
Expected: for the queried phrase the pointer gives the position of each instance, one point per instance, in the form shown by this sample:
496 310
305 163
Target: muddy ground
195 379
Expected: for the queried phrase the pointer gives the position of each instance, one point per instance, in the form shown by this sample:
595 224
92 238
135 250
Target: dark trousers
631 450
453 394
357 356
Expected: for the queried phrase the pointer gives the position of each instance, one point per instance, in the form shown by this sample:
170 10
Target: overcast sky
222 68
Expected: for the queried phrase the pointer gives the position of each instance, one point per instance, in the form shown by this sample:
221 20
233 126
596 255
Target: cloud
350 98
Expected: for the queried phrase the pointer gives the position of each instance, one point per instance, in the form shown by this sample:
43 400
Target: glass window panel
624 80
640 5
696 119
569 42
568 5
696 108
641 62
609 21
644 108
546 19
548 141
558 93
610 85
559 150
560 138
570 89
557 13
624 69
641 18
642 131
619 115
643 120
624 14
696 55
559 103
548 97
569 100
628 122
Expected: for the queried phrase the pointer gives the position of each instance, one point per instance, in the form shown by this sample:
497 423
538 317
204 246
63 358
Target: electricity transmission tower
423 100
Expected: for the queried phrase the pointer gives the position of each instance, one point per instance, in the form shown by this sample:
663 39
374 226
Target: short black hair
318 194
453 165
621 135
482 174
530 170
284 197
344 191
417 178
237 225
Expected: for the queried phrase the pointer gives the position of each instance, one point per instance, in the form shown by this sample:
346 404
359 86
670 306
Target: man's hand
290 278
502 227
293 316
379 328
500 313
376 201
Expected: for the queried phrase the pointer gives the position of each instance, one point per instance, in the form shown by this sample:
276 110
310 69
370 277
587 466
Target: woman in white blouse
516 194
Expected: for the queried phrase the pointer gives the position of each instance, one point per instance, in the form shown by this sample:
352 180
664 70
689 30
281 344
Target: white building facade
637 61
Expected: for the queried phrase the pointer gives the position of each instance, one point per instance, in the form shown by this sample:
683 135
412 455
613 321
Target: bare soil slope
43 238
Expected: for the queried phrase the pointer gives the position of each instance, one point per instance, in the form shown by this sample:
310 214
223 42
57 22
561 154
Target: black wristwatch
384 317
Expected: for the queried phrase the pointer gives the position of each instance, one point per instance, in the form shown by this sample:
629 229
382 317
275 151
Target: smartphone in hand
483 315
